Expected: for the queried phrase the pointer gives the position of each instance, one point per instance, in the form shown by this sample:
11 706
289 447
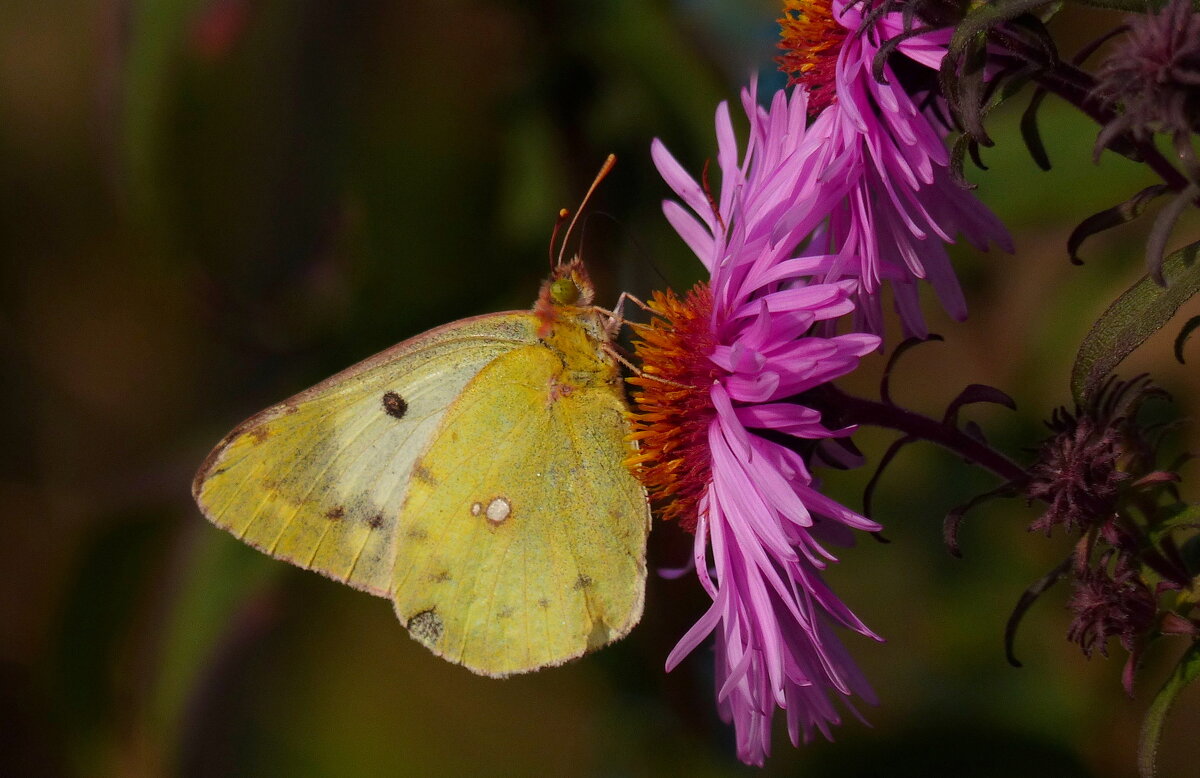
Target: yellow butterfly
473 474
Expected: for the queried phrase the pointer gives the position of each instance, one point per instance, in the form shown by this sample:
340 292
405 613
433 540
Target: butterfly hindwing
319 479
522 539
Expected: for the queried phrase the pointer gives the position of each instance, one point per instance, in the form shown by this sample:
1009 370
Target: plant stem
858 410
1076 86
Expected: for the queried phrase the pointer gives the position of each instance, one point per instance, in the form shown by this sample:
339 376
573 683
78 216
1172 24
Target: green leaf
1188 328
967 144
1181 513
986 16
1173 518
1028 597
1185 672
1030 132
1112 217
961 78
1164 224
890 46
958 155
962 73
1138 313
1189 551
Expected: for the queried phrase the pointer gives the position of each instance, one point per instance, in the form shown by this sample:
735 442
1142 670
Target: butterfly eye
564 291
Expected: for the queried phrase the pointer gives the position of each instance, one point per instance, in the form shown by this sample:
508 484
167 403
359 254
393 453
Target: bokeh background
208 205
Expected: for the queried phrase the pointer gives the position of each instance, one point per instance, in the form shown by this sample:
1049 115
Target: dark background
208 205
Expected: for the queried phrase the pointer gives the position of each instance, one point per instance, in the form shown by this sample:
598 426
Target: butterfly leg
616 318
636 301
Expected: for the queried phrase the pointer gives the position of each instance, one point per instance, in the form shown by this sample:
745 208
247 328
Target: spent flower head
1076 473
1098 475
1110 603
1081 470
1152 76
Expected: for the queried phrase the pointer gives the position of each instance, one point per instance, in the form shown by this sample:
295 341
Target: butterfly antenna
563 213
604 171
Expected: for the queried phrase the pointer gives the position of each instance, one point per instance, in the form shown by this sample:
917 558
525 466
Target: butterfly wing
523 535
319 479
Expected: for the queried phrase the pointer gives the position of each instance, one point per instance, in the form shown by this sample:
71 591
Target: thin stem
858 410
1076 86
1080 97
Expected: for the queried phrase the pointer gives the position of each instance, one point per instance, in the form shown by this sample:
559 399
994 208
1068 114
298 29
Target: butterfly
473 474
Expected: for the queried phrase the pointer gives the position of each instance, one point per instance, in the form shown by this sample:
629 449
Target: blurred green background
209 205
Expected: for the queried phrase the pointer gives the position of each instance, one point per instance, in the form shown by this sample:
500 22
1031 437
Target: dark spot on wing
417 534
440 577
422 474
543 603
504 613
260 433
582 582
376 521
336 513
426 627
395 405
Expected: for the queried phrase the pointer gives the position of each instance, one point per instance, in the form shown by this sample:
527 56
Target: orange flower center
811 39
672 408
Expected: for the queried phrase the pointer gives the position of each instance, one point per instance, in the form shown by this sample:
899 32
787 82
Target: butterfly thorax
572 327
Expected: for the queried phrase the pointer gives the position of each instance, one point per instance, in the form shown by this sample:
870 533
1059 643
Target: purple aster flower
899 204
724 441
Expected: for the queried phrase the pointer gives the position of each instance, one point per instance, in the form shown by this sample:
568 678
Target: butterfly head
568 290
564 291
569 284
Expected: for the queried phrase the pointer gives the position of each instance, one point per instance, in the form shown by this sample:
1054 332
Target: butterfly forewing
318 480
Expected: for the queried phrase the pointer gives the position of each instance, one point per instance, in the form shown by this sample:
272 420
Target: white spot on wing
498 510
476 508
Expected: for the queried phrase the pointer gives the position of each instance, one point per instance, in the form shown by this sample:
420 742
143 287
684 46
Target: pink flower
897 205
807 226
725 436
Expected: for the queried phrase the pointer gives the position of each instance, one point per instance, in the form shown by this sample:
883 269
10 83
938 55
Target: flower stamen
811 39
673 407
